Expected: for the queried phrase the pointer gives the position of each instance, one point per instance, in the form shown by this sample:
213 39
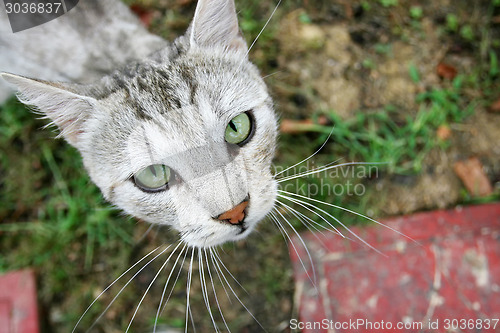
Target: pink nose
235 215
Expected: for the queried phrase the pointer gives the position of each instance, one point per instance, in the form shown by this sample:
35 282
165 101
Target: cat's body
91 40
169 112
179 134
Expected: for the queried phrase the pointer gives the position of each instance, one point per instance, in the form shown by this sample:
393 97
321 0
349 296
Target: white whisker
333 230
230 274
253 43
335 219
112 283
272 218
179 271
188 291
277 222
192 319
308 223
349 211
269 75
166 285
263 28
146 233
301 204
150 284
303 174
307 158
217 270
323 169
215 293
204 290
126 284
216 261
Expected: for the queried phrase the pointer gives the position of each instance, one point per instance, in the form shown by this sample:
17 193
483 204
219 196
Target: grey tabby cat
182 137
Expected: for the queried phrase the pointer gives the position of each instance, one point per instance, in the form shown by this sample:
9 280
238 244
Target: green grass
401 143
416 12
54 219
50 175
388 3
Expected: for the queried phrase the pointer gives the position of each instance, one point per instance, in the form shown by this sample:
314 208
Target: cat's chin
220 235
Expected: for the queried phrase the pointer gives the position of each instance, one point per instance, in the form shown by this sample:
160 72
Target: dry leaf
145 15
290 126
349 13
443 132
446 71
472 175
184 2
495 106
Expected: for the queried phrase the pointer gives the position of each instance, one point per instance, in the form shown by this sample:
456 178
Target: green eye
239 129
153 178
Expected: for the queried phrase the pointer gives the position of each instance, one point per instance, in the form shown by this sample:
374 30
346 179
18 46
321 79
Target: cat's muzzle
235 215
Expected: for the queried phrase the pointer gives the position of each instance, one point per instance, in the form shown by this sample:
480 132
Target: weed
416 12
368 63
388 3
383 48
494 69
304 18
452 22
467 33
248 24
402 144
366 6
414 74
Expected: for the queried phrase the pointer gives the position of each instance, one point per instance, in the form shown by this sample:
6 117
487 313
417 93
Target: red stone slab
446 280
18 303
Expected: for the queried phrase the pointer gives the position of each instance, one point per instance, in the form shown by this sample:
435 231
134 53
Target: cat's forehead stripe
188 76
150 90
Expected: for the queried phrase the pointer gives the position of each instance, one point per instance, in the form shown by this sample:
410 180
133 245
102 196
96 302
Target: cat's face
176 115
155 139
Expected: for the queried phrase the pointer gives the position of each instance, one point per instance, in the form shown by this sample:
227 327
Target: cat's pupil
239 129
233 126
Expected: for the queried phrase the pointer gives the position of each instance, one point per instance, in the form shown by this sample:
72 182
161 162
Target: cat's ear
215 24
62 104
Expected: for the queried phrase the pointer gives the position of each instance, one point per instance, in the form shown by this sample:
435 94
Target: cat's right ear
215 24
67 109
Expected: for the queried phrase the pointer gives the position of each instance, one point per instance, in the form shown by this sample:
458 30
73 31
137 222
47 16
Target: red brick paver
448 278
18 303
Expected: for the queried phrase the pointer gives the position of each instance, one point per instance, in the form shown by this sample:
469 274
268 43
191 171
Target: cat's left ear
215 24
59 102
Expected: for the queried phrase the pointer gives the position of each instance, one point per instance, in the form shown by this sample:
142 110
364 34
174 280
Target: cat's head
185 138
